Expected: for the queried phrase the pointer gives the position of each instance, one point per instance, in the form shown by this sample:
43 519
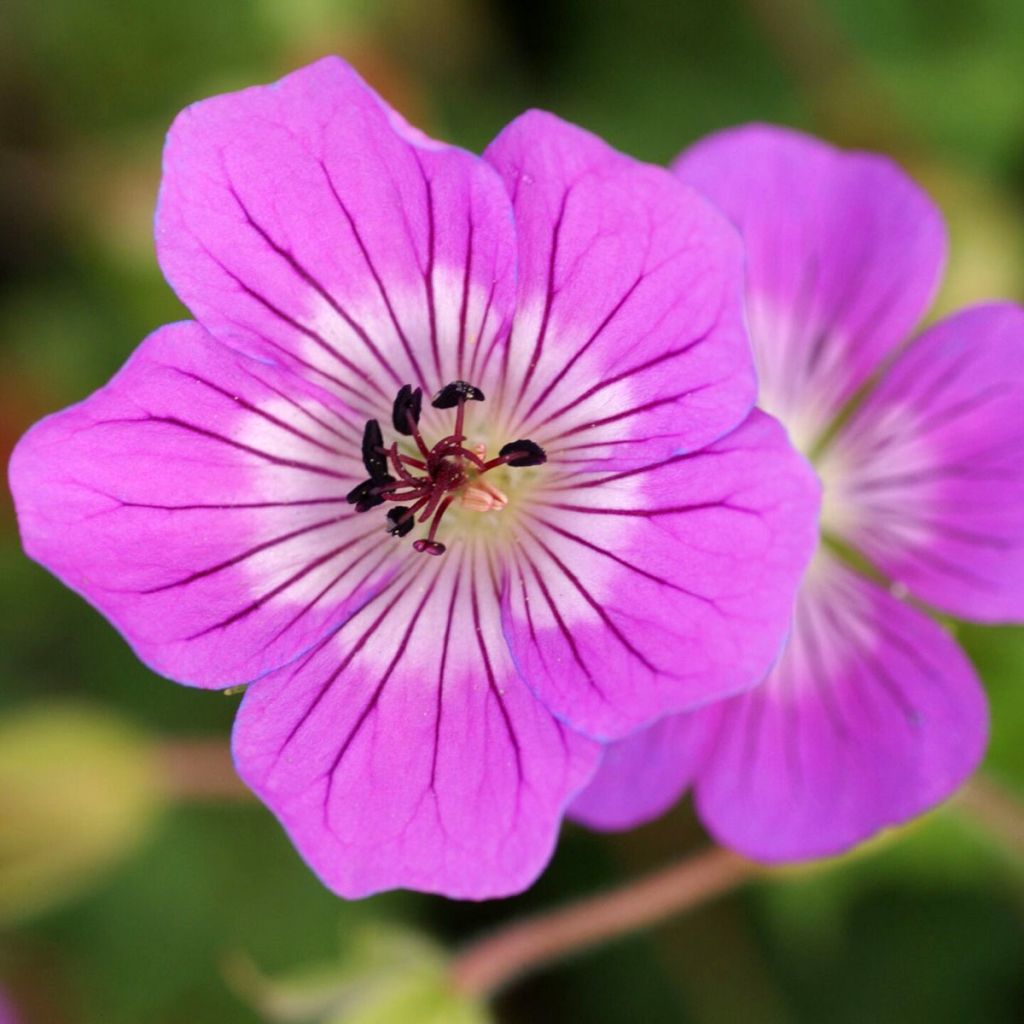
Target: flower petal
405 751
655 589
307 221
843 255
927 477
872 716
642 776
198 500
628 342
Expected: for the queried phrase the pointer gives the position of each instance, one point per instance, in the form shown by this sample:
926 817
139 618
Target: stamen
450 470
370 493
374 459
401 520
522 453
405 415
458 391
428 547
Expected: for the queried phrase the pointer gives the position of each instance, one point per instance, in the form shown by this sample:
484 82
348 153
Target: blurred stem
492 962
996 808
199 770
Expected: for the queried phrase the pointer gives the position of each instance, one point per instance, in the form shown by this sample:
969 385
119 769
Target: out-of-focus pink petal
628 344
406 751
843 255
872 716
927 477
644 591
198 500
642 776
306 221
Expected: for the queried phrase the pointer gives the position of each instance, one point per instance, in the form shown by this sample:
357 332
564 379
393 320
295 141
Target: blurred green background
119 905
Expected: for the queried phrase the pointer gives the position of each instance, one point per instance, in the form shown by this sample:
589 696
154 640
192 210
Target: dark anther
407 406
374 458
428 547
367 494
399 521
525 453
458 391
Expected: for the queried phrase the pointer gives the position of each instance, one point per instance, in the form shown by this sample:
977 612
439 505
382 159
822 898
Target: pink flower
380 319
873 714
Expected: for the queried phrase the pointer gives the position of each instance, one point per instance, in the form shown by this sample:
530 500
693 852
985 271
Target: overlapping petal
843 255
642 776
407 751
198 500
927 477
306 221
658 588
628 343
872 716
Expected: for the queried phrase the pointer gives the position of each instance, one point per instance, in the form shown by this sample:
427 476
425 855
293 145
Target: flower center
424 486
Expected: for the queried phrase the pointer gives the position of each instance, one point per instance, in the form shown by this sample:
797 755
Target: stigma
422 487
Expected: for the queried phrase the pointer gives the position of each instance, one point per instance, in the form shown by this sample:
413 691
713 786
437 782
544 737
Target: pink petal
307 221
928 475
405 750
872 716
642 776
198 501
656 589
628 344
843 255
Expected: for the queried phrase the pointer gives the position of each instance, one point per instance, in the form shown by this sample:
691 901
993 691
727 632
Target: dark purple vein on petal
467 277
352 430
261 413
636 410
653 577
571 361
385 296
607 382
309 279
374 700
598 608
285 585
410 571
229 507
173 421
428 272
356 588
318 339
549 300
442 667
556 613
492 682
249 553
593 480
644 513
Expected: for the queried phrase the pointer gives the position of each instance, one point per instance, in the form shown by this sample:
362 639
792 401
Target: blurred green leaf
388 975
78 792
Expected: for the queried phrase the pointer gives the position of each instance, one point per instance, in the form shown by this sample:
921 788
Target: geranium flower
455 468
873 714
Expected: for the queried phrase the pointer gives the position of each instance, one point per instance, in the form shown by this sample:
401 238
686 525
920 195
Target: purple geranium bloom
873 714
456 467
